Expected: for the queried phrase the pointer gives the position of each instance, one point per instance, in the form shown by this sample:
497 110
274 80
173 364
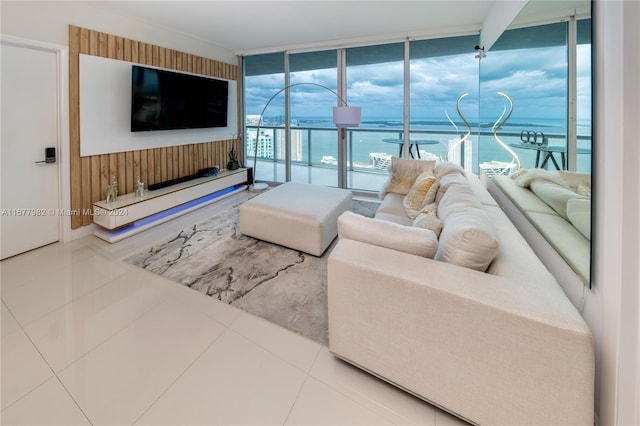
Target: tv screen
165 100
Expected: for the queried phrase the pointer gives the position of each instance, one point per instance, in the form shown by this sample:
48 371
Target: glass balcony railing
314 153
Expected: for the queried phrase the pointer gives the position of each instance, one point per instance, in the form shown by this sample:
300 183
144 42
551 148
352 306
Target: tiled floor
89 339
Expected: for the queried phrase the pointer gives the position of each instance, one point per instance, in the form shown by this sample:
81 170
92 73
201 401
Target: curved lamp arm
499 124
466 123
255 153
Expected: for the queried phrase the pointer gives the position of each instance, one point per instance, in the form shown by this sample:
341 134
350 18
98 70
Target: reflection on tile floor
89 339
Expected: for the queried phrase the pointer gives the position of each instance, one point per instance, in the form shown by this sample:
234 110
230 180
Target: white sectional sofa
559 211
497 346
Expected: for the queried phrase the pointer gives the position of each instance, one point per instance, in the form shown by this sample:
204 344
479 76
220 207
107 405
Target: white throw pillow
403 172
579 213
417 241
575 180
446 168
423 191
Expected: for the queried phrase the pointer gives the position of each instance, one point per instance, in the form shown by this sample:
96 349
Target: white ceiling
244 26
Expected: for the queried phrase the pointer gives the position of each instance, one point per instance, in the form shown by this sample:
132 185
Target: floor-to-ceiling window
444 76
375 82
518 92
264 75
313 136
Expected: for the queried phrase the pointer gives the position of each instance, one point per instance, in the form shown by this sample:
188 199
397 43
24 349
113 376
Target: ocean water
318 138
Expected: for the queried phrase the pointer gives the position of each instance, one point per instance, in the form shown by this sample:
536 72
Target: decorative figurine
139 189
233 163
112 191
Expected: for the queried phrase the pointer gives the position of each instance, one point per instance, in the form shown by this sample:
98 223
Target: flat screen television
166 100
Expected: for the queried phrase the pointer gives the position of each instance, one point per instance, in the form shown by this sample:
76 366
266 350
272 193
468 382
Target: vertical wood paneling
91 175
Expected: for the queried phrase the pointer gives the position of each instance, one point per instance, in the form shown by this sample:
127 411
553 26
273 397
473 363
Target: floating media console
129 214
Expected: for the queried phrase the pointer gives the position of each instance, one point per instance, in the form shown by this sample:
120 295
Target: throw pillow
575 180
446 168
417 241
428 219
423 191
403 172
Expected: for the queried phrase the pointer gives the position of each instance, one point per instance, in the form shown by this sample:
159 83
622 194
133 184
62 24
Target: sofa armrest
479 345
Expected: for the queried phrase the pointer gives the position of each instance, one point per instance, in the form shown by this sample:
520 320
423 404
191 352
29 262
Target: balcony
314 153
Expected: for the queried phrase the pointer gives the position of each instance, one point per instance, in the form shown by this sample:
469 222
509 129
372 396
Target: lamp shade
347 116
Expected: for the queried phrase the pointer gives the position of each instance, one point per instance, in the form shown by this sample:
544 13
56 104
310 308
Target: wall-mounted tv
166 100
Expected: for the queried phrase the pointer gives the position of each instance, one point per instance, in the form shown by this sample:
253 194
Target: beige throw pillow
423 191
403 172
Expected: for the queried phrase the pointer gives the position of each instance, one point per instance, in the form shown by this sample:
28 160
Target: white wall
105 114
614 301
48 21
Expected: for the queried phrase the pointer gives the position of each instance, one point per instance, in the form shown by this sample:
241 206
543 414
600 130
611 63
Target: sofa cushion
445 181
468 238
391 209
554 195
579 214
403 172
422 192
408 239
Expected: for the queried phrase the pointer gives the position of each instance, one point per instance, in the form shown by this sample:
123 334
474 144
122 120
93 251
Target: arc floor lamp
343 117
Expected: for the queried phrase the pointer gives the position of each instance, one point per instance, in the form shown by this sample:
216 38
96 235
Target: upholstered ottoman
299 216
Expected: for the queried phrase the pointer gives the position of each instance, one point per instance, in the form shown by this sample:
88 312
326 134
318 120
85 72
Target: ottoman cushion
296 215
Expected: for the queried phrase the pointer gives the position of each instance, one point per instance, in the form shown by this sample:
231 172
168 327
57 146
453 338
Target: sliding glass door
313 136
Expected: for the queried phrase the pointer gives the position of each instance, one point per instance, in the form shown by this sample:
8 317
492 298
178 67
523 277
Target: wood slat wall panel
91 175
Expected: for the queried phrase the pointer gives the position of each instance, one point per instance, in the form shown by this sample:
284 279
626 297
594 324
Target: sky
535 79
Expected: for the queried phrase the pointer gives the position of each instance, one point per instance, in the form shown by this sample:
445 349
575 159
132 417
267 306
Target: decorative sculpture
112 191
139 193
466 123
499 123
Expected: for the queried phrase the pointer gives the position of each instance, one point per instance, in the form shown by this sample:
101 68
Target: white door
29 188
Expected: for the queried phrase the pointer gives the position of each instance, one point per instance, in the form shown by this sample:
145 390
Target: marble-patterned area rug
284 286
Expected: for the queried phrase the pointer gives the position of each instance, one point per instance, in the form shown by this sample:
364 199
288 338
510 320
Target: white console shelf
129 214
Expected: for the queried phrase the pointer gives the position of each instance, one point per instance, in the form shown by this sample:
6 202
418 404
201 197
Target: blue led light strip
172 211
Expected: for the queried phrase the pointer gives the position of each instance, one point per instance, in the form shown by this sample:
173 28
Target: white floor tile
445 419
38 263
215 309
319 404
293 348
49 404
66 334
376 394
116 382
129 345
53 290
7 322
23 369
234 382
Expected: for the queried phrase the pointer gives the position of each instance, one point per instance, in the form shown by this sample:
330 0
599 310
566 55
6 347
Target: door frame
62 143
